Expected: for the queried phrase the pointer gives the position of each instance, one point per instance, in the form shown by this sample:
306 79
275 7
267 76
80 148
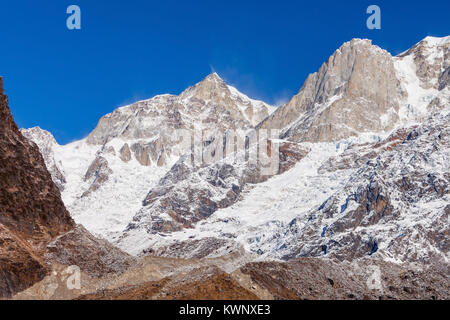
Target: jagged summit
363 88
211 78
1 85
427 43
424 71
360 44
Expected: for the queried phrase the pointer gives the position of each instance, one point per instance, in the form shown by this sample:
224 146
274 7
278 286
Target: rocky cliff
31 210
134 147
355 91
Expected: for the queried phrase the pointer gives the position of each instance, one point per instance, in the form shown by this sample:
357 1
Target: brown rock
31 210
349 94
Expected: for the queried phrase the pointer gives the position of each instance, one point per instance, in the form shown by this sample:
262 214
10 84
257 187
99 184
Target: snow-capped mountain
364 162
105 178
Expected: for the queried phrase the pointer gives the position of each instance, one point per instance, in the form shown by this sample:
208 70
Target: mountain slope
106 177
209 103
31 210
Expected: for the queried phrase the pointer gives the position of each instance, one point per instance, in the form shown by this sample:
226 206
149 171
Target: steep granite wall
31 210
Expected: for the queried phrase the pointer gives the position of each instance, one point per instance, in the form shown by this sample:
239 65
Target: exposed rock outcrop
356 91
31 210
431 58
189 193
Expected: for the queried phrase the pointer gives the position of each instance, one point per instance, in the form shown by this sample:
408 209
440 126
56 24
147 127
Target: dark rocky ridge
31 210
36 230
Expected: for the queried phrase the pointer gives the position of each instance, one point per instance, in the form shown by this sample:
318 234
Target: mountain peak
1 85
213 77
209 86
360 45
322 112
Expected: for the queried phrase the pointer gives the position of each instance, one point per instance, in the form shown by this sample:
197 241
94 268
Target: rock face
210 103
431 58
20 267
31 210
356 91
125 153
36 230
189 194
423 71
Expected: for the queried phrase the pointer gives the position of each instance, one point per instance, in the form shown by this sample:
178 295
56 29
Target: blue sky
64 81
